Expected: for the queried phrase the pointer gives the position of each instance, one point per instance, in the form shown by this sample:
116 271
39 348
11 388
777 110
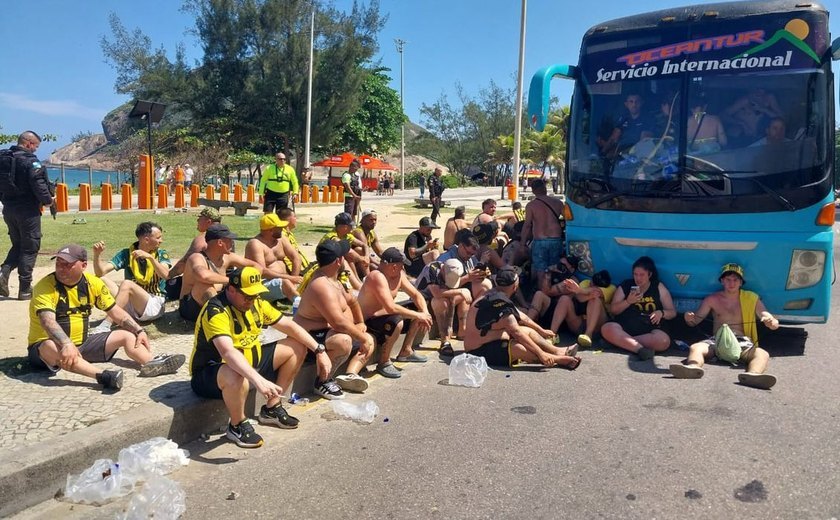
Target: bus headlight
806 268
581 250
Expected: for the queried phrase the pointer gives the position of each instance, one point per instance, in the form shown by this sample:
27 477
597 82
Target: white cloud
51 107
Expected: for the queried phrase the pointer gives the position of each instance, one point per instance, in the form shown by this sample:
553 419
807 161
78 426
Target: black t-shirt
631 129
415 240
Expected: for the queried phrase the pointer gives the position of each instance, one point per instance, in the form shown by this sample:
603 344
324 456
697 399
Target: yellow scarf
748 301
143 272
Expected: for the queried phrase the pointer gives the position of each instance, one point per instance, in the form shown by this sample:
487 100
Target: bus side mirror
540 91
835 49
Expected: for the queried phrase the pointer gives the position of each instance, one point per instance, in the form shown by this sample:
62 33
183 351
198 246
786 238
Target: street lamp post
517 137
400 44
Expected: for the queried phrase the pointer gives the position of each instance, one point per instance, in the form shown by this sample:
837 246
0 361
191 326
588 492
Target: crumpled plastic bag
99 484
160 498
364 412
467 370
156 456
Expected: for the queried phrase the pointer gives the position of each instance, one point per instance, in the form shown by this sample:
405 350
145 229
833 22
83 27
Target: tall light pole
517 137
309 91
400 43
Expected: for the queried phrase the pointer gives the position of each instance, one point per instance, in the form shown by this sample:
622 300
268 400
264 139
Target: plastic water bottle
295 305
681 345
297 399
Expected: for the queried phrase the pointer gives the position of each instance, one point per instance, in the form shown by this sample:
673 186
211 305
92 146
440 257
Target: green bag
727 347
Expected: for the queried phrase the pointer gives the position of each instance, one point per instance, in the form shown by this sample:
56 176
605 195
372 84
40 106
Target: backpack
727 347
8 181
491 309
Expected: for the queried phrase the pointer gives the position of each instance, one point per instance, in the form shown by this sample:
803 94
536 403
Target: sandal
446 349
573 365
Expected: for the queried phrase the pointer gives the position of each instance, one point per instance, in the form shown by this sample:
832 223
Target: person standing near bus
23 192
545 228
278 184
738 309
352 189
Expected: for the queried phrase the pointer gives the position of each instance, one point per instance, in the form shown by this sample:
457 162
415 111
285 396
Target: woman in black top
638 307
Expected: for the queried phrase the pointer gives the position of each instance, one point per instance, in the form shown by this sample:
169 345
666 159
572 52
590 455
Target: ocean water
73 176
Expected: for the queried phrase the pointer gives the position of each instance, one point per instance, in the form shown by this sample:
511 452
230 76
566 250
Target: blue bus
704 135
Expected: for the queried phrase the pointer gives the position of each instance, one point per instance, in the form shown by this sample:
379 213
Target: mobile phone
634 288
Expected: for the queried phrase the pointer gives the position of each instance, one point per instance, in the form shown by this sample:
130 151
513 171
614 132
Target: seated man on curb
228 358
146 265
420 248
502 335
268 249
356 262
737 308
296 262
365 233
384 317
206 218
330 312
58 325
453 225
584 309
439 283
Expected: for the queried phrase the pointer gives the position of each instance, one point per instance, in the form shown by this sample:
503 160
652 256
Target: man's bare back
540 221
453 225
200 291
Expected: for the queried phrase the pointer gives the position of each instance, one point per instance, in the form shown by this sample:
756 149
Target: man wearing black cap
228 357
384 316
59 335
330 312
357 259
497 331
420 248
206 218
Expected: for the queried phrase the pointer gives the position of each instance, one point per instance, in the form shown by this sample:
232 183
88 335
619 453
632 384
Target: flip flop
446 349
573 366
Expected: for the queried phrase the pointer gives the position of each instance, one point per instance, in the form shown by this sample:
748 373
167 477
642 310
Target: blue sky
63 86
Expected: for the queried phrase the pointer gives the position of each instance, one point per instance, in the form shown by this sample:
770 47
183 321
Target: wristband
141 330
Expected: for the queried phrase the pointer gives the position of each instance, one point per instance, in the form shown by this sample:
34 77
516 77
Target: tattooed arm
68 351
119 316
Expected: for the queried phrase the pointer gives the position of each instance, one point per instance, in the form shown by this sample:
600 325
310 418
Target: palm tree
548 148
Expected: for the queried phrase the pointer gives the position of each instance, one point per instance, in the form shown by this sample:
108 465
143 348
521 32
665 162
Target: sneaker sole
392 375
170 365
410 360
275 422
241 443
762 381
584 341
680 371
4 287
329 396
353 385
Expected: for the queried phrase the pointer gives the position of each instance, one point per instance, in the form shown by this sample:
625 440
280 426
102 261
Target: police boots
25 291
5 271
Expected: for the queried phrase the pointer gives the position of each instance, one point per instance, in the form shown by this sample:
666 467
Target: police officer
277 184
435 192
22 213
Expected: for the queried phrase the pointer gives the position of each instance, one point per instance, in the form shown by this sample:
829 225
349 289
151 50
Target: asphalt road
617 438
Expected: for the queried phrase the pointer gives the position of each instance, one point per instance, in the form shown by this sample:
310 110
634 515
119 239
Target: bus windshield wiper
768 190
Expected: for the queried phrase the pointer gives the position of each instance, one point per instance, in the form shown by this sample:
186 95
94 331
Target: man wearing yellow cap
268 249
228 358
738 309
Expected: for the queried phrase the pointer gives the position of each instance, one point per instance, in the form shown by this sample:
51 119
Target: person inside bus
631 127
638 307
705 131
748 117
774 134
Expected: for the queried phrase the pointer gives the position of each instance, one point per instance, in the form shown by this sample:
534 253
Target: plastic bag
99 484
363 412
156 456
160 498
467 370
727 347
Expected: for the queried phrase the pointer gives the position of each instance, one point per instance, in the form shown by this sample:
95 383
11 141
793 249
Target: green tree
376 124
547 148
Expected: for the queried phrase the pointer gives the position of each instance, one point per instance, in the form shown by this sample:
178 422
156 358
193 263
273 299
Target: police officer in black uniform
22 213
435 192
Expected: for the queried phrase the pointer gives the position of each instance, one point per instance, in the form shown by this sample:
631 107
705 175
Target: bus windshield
701 141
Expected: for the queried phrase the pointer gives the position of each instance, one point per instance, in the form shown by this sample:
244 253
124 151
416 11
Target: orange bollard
314 193
194 192
252 195
333 193
84 197
179 196
163 196
61 198
209 192
237 193
126 196
325 195
105 199
304 193
225 194
511 192
341 193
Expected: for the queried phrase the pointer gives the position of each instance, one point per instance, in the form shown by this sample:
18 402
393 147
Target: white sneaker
102 327
352 383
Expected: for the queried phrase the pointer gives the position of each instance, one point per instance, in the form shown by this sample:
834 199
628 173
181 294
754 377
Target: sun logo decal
795 32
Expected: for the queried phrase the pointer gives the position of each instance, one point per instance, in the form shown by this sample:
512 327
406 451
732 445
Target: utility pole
309 91
517 137
400 43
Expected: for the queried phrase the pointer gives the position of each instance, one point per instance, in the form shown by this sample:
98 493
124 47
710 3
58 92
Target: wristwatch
140 331
320 348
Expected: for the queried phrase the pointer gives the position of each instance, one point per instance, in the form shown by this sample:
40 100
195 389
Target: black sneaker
328 389
5 272
244 435
645 353
162 364
112 379
25 293
278 416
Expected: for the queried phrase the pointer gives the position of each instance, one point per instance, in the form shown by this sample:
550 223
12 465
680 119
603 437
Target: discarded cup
467 370
297 399
363 412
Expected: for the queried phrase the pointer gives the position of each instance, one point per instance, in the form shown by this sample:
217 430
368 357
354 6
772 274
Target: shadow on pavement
200 448
172 393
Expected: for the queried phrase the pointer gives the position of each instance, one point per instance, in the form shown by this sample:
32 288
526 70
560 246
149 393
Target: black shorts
188 308
173 288
496 353
634 322
380 327
205 382
92 351
320 336
580 307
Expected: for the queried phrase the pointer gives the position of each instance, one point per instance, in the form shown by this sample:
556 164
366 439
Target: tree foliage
376 124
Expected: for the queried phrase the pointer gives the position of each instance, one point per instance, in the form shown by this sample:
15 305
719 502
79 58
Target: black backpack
8 180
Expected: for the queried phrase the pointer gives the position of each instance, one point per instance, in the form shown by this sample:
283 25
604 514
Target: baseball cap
71 253
217 231
506 276
392 255
426 222
211 213
271 221
368 212
452 270
484 233
343 219
329 251
248 280
731 268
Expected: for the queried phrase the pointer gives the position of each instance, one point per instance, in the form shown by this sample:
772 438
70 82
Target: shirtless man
296 262
268 249
453 225
384 316
331 314
364 232
545 228
738 309
206 218
498 332
488 212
